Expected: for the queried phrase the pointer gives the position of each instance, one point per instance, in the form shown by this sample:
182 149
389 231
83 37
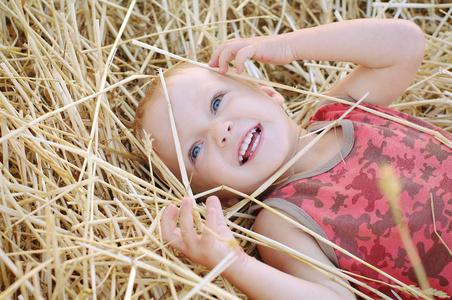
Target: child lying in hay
234 133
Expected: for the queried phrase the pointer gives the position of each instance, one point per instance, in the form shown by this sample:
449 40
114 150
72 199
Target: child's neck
321 152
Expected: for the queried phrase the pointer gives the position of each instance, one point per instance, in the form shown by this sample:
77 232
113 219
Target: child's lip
249 144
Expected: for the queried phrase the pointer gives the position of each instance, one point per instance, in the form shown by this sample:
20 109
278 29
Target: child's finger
220 227
214 213
208 238
188 231
242 56
168 221
215 222
215 55
227 52
214 202
170 232
223 61
224 47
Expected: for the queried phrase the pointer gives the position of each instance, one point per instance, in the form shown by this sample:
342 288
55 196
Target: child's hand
267 49
388 54
256 279
208 248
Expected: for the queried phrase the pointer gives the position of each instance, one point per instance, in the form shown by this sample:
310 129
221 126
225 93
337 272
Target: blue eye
194 151
216 102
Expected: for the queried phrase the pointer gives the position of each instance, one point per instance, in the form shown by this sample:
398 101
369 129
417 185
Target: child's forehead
185 88
194 84
198 78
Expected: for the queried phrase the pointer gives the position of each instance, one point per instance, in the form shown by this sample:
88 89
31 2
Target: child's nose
222 131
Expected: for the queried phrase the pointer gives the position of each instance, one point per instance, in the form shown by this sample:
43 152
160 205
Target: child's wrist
238 266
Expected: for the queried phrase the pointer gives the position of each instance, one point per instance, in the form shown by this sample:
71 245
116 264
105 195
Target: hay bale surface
79 205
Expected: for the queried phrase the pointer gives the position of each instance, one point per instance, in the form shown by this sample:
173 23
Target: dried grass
79 207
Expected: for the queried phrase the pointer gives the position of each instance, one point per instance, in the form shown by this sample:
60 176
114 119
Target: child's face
231 133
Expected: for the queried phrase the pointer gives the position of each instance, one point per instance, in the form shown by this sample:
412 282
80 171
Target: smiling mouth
249 144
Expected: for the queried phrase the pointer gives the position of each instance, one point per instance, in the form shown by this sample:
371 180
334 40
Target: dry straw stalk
79 205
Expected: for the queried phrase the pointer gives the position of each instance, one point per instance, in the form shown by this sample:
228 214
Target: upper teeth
246 143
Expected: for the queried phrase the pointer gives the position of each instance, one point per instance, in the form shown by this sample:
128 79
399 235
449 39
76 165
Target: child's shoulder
331 111
277 227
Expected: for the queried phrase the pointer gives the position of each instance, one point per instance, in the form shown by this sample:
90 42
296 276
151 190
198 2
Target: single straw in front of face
180 159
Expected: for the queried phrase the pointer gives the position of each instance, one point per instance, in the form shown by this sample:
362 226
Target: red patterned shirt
342 198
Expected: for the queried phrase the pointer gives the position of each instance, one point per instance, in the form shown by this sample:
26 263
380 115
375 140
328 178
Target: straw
81 198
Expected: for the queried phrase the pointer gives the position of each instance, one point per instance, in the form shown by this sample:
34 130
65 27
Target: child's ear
272 93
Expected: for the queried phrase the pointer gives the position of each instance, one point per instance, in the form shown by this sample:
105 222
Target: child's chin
229 202
227 198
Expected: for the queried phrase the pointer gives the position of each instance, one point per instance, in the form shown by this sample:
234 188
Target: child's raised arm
388 54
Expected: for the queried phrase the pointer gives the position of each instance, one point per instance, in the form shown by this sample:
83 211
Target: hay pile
79 207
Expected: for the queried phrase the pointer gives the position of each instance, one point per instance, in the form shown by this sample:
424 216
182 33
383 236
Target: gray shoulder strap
301 216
